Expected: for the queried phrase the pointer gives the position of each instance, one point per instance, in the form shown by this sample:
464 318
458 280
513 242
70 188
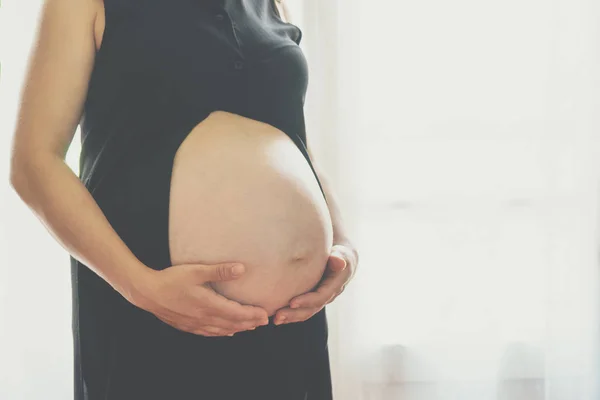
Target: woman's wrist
135 284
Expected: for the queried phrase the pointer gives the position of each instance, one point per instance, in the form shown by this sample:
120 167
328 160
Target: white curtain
463 140
463 137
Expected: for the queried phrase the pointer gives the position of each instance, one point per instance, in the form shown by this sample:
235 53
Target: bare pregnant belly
242 191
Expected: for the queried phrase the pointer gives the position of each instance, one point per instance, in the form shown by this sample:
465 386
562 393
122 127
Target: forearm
69 212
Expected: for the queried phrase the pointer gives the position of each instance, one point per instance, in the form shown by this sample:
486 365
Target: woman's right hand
61 62
179 296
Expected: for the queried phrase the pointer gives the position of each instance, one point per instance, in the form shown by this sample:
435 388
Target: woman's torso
225 101
241 191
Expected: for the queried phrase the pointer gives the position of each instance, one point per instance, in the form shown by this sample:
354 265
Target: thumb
337 262
220 272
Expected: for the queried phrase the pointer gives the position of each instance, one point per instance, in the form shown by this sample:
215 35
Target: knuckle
221 271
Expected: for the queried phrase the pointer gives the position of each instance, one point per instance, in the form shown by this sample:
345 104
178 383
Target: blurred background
463 141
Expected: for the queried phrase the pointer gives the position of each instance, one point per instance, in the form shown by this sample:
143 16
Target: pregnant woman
204 247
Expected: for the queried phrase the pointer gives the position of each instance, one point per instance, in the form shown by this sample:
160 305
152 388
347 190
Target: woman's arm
51 103
59 67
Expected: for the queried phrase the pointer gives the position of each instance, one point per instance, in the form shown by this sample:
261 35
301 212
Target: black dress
163 66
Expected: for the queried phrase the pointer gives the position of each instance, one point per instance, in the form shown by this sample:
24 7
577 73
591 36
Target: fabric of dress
163 67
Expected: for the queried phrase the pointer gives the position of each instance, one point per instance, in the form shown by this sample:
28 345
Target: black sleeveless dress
164 66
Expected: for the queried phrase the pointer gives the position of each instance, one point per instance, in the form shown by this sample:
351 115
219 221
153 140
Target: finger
192 326
215 330
333 298
231 326
219 272
287 315
328 288
311 299
202 332
336 294
339 277
236 312
176 324
336 261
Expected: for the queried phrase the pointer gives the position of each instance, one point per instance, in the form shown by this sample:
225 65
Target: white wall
35 321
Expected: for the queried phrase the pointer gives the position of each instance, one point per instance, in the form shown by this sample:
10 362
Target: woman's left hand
340 269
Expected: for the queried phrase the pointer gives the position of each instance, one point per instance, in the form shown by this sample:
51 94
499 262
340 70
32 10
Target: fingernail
281 320
294 305
237 269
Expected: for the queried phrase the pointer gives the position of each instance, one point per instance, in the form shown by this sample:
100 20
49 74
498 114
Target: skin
60 62
343 259
262 208
340 270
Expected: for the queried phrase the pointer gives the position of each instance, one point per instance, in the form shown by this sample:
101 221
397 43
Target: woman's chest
200 49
